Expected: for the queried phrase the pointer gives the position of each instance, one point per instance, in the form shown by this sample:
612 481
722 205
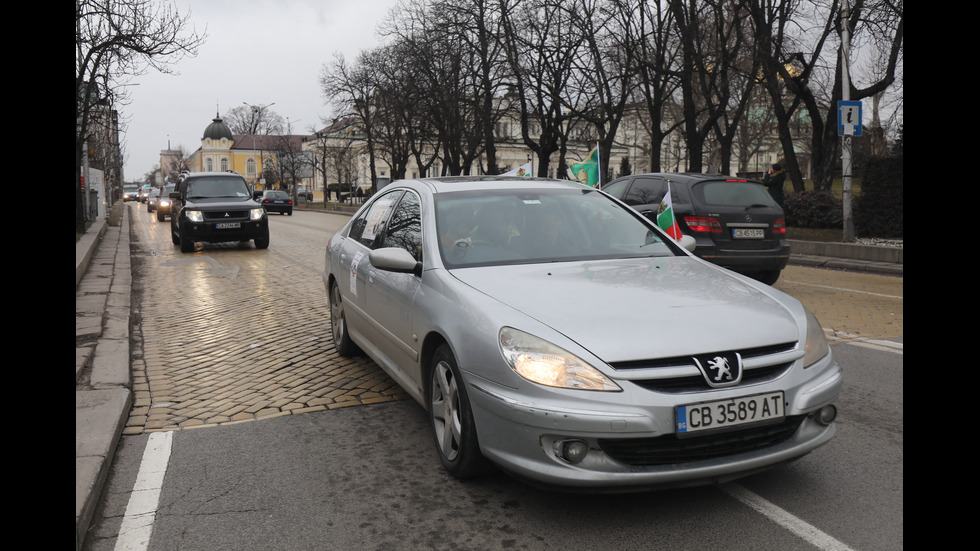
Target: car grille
695 382
218 215
669 449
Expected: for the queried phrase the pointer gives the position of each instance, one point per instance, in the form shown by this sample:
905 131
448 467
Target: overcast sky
257 51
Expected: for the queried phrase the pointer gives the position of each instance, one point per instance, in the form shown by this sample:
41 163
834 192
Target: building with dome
259 158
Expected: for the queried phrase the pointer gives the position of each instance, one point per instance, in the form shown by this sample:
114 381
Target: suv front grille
669 449
219 215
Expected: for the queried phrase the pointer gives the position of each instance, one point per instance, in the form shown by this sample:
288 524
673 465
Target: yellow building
252 156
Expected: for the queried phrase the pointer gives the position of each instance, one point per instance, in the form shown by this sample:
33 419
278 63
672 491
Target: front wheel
338 325
768 277
186 245
452 418
262 242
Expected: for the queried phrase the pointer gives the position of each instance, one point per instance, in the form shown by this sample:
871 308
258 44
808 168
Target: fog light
573 451
826 415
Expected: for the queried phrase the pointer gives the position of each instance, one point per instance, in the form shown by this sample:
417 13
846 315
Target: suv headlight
541 362
256 214
194 215
816 346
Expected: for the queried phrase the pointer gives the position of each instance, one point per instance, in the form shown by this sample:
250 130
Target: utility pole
847 166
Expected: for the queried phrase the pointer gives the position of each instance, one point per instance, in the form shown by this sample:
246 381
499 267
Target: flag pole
598 167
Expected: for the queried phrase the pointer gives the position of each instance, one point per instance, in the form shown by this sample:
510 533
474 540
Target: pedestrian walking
774 181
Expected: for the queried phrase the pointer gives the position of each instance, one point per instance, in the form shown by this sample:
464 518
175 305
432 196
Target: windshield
216 187
518 227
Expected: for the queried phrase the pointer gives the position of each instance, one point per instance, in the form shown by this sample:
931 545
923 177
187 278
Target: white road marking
795 525
844 289
874 344
137 524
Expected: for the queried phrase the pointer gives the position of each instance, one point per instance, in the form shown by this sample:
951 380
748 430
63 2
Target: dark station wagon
735 221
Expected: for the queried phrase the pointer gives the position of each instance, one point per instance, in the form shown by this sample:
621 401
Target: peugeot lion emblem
720 370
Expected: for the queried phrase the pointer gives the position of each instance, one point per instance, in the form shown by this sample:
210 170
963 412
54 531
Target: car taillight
779 226
703 224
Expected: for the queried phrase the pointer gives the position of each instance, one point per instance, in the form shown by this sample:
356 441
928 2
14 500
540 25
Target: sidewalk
103 387
103 390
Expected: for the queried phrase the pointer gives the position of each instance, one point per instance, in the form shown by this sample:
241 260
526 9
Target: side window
370 225
405 226
616 188
646 191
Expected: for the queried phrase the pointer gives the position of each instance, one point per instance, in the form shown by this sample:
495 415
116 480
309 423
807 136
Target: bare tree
351 88
254 120
116 40
880 22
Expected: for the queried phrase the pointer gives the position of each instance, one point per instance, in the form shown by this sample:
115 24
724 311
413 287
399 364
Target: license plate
228 225
729 413
742 233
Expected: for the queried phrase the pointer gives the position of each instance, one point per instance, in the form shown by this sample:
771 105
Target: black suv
215 207
735 221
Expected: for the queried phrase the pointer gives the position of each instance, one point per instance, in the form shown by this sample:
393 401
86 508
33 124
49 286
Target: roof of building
217 130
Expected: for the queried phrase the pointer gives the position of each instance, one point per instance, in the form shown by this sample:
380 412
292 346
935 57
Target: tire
173 233
768 277
263 241
186 245
338 325
161 216
453 427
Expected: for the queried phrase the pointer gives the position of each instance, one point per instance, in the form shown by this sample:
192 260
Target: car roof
229 174
448 184
691 177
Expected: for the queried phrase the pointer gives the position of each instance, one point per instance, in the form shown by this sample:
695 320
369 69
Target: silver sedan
550 330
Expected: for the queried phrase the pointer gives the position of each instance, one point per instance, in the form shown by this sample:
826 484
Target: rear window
727 193
276 195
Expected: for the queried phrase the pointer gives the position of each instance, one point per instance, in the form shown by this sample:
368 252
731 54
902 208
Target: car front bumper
523 435
211 232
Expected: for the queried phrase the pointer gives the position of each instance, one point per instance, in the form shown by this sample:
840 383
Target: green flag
587 171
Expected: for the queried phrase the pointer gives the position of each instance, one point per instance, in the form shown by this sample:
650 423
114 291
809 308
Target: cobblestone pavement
234 334
876 311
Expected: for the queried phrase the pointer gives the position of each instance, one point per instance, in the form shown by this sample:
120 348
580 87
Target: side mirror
688 242
395 259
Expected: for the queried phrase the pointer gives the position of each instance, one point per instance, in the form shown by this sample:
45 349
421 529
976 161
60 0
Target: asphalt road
278 444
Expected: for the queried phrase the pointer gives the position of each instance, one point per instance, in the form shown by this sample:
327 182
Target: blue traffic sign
849 118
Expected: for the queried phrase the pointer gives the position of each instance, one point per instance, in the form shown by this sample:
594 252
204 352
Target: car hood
638 309
219 203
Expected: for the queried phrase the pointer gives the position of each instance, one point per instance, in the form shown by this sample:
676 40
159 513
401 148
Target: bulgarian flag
665 217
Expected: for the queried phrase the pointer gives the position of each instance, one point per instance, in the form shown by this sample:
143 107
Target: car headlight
195 215
256 214
164 202
541 362
816 346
